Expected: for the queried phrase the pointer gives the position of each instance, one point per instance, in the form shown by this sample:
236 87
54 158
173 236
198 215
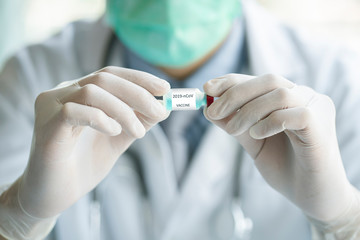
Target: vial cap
209 100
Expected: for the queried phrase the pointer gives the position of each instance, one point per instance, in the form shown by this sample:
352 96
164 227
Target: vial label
183 99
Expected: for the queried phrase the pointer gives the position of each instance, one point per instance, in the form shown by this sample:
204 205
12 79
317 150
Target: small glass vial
186 99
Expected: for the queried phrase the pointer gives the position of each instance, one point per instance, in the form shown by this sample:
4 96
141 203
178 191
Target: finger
132 94
251 145
220 123
289 119
155 85
74 114
150 122
94 96
217 86
259 108
243 92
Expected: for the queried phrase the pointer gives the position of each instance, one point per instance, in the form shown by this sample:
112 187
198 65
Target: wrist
345 226
15 223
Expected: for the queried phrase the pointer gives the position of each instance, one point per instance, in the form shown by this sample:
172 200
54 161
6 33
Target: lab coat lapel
159 175
93 48
205 185
270 50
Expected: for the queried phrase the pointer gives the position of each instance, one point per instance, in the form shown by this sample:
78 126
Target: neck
184 72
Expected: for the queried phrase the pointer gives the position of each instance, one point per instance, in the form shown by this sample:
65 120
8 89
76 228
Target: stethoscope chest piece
242 225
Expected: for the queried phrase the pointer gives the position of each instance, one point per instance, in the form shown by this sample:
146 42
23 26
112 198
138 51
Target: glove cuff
346 226
15 223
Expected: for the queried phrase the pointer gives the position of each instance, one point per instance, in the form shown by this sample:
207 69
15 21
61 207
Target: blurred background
28 21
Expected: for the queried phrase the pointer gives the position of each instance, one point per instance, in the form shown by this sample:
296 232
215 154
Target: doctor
92 162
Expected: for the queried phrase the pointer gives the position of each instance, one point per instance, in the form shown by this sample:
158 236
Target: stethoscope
242 226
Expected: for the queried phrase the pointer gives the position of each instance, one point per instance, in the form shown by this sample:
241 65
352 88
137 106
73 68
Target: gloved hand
289 131
81 129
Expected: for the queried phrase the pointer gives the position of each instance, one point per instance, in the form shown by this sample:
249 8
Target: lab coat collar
92 46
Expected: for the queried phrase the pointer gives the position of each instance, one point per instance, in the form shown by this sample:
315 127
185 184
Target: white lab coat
201 209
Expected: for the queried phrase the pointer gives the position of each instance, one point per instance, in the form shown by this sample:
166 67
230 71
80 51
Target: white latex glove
289 131
81 129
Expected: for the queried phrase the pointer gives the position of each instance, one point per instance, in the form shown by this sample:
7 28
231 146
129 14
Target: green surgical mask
172 33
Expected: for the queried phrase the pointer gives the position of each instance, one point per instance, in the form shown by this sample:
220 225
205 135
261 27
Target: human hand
290 133
81 129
